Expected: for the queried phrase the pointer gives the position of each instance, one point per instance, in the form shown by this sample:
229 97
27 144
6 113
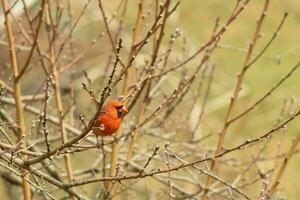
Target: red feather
109 119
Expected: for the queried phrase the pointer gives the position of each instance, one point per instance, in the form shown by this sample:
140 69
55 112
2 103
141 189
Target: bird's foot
116 139
98 144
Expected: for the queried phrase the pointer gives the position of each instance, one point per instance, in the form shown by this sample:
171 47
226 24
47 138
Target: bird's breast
108 125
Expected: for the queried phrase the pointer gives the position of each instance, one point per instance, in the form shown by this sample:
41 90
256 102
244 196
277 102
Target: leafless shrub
50 97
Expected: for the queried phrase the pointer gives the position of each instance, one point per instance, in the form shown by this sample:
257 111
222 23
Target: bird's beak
124 110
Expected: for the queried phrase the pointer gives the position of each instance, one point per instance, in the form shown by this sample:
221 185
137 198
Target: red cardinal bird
109 119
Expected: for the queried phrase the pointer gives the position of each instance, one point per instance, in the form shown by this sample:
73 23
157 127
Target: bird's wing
98 121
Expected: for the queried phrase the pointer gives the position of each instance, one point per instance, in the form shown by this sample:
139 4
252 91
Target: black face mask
120 112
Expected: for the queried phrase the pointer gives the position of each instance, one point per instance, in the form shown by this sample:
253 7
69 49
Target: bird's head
117 108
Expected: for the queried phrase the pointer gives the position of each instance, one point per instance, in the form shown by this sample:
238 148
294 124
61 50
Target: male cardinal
110 118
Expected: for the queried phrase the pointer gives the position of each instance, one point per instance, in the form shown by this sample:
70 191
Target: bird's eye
119 111
119 107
